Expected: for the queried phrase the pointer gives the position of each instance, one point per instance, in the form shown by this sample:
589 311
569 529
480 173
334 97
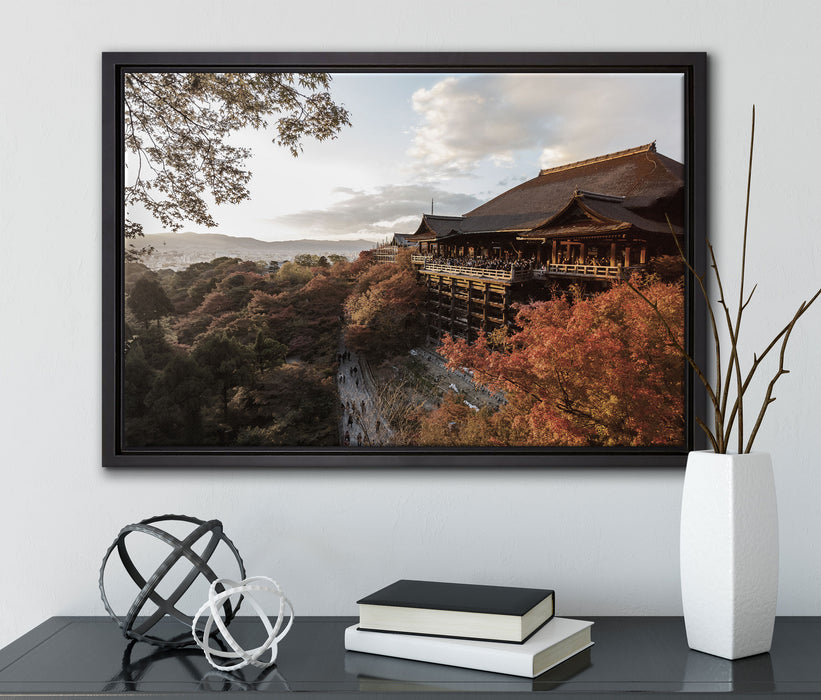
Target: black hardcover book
471 611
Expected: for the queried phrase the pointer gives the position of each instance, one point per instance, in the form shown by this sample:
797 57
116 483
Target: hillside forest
237 353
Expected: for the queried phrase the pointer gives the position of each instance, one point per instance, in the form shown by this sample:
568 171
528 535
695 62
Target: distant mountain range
179 250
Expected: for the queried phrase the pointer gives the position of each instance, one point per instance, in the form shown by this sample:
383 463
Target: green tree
308 260
138 377
385 311
227 362
269 352
148 301
291 274
294 405
177 124
175 402
154 346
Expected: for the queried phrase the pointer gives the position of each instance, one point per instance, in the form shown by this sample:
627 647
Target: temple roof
400 240
591 214
646 148
637 186
436 227
650 180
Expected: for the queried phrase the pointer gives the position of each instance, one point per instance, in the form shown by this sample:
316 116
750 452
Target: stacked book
490 628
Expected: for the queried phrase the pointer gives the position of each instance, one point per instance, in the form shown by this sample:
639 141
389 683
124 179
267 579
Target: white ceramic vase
729 553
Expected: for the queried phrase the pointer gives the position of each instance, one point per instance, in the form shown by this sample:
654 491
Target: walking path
362 425
460 382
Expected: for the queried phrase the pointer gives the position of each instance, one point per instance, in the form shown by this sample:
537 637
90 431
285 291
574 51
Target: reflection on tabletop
387 674
176 664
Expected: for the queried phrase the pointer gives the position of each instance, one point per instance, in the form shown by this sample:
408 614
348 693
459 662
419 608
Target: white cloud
465 120
552 157
550 118
375 213
401 222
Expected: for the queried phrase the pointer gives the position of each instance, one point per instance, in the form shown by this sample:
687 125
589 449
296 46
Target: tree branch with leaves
177 125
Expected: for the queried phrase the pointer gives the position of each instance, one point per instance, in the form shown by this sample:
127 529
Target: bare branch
749 298
720 396
683 352
701 424
739 393
715 394
769 398
733 363
724 431
757 359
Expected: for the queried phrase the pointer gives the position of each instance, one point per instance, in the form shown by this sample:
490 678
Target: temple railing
590 271
604 272
478 272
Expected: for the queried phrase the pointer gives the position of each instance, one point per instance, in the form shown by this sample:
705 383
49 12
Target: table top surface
88 656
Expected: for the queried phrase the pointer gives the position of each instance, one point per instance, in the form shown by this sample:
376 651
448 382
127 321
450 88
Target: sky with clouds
455 139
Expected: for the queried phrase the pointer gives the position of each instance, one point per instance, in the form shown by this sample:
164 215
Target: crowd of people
361 424
484 263
518 265
562 259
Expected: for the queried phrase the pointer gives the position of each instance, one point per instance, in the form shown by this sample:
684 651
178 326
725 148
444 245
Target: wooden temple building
589 222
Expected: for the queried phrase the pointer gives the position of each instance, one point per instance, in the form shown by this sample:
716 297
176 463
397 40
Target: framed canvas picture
402 259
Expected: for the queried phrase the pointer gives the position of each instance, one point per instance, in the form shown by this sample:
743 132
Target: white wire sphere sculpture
219 592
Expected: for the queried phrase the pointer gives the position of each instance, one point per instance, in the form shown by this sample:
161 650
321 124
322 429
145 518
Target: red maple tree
581 371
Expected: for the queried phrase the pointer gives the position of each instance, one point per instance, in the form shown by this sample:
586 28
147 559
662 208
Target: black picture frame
693 67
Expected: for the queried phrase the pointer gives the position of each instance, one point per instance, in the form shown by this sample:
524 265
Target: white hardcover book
557 641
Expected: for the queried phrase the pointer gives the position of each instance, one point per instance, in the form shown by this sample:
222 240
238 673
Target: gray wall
607 541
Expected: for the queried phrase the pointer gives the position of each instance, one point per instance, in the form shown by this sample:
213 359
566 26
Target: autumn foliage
238 355
231 353
580 371
385 310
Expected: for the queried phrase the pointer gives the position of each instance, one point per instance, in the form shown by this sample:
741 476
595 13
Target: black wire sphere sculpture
137 626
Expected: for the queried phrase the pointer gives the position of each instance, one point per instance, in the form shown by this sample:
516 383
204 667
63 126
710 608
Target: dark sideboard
88 657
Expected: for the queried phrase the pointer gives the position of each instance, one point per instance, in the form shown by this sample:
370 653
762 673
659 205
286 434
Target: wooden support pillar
428 310
485 307
613 262
439 294
643 255
553 252
470 308
627 256
582 253
452 326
